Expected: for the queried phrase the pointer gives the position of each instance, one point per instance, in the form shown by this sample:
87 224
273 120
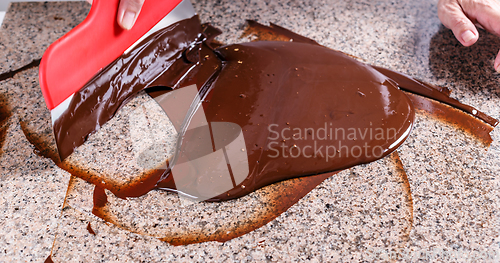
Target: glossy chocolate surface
304 110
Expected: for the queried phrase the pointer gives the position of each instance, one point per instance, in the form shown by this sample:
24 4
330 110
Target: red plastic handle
75 58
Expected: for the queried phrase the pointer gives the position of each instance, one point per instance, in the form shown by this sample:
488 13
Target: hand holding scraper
128 11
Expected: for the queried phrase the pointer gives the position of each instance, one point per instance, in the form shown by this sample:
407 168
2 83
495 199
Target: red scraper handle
75 58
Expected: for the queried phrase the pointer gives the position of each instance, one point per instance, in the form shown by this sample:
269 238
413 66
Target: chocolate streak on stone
100 197
4 117
278 198
414 86
404 177
458 118
4 109
12 73
100 200
42 147
275 203
274 33
136 188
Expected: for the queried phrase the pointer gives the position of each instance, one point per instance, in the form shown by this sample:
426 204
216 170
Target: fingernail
467 36
128 20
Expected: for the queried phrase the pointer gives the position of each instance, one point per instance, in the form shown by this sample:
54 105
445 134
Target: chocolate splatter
89 228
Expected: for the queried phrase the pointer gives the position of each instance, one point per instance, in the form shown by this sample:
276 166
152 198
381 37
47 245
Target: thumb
452 16
497 63
128 11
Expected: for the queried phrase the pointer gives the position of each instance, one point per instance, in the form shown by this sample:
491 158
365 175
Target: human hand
128 11
461 15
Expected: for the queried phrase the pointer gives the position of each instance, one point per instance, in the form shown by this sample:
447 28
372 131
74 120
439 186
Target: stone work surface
439 202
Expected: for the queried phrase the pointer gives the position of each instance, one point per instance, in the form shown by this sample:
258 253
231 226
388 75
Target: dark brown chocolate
4 117
100 197
458 118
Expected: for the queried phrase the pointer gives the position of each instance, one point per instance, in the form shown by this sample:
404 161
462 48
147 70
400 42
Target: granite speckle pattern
32 195
445 207
29 28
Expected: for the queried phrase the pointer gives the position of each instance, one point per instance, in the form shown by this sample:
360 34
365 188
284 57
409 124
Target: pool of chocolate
303 109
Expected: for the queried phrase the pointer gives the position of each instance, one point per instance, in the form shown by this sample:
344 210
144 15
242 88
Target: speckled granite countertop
447 210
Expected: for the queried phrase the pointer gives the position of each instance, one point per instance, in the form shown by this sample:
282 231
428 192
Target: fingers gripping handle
75 58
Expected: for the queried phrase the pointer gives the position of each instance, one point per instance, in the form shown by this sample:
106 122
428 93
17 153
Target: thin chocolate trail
12 73
89 228
406 185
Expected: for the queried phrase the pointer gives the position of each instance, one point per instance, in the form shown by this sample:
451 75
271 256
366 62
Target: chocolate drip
460 119
4 117
100 197
89 228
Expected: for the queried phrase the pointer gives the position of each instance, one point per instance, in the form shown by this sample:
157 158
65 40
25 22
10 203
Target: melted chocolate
100 197
417 87
265 87
281 94
296 85
404 177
